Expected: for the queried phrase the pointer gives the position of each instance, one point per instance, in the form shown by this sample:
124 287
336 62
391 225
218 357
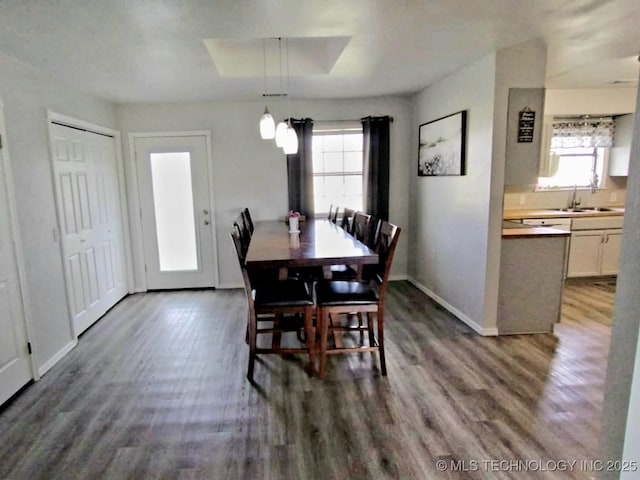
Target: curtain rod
345 120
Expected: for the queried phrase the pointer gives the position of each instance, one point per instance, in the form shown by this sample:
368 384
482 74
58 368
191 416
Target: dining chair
338 297
248 220
333 217
360 226
244 233
281 304
330 212
347 218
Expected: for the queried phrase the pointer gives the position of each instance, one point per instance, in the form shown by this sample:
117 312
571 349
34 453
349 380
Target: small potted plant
294 218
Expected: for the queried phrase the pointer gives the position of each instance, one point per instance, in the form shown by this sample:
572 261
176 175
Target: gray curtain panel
376 166
300 169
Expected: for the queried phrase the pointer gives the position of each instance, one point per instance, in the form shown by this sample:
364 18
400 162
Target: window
578 150
337 167
581 166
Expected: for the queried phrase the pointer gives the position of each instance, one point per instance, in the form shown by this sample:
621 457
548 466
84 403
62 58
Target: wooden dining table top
319 243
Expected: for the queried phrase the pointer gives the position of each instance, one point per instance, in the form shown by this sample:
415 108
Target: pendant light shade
290 146
267 125
281 132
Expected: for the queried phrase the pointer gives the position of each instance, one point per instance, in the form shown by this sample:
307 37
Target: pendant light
290 145
281 129
267 125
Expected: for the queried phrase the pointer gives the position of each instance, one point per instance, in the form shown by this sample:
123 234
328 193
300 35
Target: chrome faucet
574 203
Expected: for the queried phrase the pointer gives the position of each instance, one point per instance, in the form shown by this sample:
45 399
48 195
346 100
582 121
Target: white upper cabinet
619 155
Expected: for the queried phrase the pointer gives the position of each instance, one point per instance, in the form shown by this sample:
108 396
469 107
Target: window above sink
581 166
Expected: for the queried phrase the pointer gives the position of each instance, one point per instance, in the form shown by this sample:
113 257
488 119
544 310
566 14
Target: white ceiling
159 50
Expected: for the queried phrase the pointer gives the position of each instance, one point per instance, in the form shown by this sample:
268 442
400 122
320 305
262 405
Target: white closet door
90 222
15 368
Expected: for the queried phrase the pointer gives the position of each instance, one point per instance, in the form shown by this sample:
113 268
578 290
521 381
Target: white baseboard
398 278
46 366
229 286
485 332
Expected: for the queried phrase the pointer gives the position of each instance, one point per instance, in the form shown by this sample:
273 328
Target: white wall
27 95
449 215
250 172
458 220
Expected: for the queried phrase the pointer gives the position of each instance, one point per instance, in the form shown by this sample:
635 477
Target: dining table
318 243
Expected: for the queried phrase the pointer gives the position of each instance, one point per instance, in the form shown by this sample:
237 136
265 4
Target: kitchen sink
586 209
570 210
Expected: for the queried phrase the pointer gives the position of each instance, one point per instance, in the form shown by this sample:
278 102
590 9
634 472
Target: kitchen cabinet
594 252
621 150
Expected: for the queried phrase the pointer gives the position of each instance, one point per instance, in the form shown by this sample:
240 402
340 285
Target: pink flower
293 214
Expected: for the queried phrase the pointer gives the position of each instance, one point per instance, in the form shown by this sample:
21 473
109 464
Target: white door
177 222
91 232
15 367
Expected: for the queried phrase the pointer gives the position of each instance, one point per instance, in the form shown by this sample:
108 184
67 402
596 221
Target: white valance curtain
582 132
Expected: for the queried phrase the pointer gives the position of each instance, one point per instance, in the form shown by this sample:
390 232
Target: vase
293 225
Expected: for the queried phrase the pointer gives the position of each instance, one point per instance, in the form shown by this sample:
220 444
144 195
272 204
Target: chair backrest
248 220
243 234
373 237
334 218
360 226
388 235
330 212
235 237
347 218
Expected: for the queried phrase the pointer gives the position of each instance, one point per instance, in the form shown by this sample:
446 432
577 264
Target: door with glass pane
176 216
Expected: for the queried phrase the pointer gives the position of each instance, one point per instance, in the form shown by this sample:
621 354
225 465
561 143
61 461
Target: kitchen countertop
518 230
550 213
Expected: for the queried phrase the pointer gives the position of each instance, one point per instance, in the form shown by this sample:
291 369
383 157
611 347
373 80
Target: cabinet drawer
596 223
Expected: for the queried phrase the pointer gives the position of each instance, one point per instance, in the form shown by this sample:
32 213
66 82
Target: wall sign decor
441 149
526 122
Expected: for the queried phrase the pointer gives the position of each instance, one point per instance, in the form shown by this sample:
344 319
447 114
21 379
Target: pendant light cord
288 100
280 62
264 64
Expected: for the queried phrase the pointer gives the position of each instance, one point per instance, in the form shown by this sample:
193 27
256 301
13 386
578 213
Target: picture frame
442 146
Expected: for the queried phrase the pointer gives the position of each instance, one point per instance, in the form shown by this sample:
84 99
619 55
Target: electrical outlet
613 197
523 200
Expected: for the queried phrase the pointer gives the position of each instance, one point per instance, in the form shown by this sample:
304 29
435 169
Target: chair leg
310 333
323 326
380 322
372 337
252 346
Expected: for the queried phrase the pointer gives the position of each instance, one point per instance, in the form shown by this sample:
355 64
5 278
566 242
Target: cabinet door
611 252
584 253
621 150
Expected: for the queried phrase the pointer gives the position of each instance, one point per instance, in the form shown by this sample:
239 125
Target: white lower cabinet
610 255
594 252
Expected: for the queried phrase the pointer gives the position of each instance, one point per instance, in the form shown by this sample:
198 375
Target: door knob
206 222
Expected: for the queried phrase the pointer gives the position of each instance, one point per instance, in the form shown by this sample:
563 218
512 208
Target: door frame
18 253
73 122
136 204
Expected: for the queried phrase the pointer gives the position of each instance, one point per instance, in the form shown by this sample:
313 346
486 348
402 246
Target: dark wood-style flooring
157 389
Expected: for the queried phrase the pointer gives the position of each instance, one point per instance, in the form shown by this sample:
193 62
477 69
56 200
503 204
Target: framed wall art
441 149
